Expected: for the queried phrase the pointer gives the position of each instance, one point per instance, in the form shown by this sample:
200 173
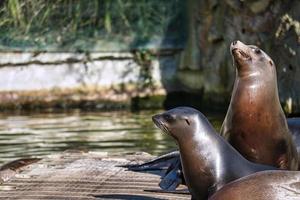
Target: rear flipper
169 166
160 163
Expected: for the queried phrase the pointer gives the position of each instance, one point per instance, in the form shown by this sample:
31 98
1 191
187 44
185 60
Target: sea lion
275 185
271 142
208 161
255 124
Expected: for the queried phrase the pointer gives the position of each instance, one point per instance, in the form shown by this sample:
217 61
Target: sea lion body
255 123
208 161
275 185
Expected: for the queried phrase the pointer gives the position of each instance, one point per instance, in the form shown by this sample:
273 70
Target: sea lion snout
160 123
156 119
234 42
234 45
238 45
240 53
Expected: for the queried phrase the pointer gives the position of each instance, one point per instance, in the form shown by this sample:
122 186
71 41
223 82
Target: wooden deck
79 175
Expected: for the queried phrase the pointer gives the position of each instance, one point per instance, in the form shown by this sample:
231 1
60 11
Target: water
38 134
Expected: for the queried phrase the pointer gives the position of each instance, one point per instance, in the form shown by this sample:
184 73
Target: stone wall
273 25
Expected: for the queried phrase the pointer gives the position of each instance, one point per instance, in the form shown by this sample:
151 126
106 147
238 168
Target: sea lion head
250 58
179 122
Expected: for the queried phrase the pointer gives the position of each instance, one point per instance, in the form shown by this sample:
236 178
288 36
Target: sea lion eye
257 51
168 118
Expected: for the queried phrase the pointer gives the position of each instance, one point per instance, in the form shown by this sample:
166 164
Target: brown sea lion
208 161
255 123
267 185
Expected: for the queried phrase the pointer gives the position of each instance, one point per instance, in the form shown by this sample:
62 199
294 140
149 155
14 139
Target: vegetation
84 25
144 60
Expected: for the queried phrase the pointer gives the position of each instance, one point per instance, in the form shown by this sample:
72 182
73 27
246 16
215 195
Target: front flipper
173 177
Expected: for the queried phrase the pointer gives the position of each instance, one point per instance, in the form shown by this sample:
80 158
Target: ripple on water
38 134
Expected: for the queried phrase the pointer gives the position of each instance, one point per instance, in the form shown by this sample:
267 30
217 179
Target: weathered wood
84 176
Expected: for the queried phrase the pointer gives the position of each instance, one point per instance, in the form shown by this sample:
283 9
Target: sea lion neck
206 153
254 89
199 154
201 135
253 73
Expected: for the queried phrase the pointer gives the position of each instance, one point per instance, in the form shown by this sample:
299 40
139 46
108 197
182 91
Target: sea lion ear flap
187 121
271 63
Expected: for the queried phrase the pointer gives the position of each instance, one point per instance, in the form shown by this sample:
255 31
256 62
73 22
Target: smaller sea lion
208 161
267 185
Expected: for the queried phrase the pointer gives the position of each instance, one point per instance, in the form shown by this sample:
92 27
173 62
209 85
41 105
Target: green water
38 134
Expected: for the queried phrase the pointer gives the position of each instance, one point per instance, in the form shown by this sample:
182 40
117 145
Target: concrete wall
46 71
30 80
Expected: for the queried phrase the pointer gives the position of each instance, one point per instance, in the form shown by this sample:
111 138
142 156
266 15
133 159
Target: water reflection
45 133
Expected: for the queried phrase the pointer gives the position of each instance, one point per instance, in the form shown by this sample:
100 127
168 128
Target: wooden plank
83 175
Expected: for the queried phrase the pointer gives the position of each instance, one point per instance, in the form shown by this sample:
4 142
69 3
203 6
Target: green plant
144 60
60 24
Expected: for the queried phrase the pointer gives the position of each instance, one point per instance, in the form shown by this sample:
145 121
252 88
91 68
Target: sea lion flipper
163 162
173 177
168 167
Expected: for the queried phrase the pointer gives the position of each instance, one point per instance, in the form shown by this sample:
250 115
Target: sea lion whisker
241 52
245 55
161 126
165 129
234 49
